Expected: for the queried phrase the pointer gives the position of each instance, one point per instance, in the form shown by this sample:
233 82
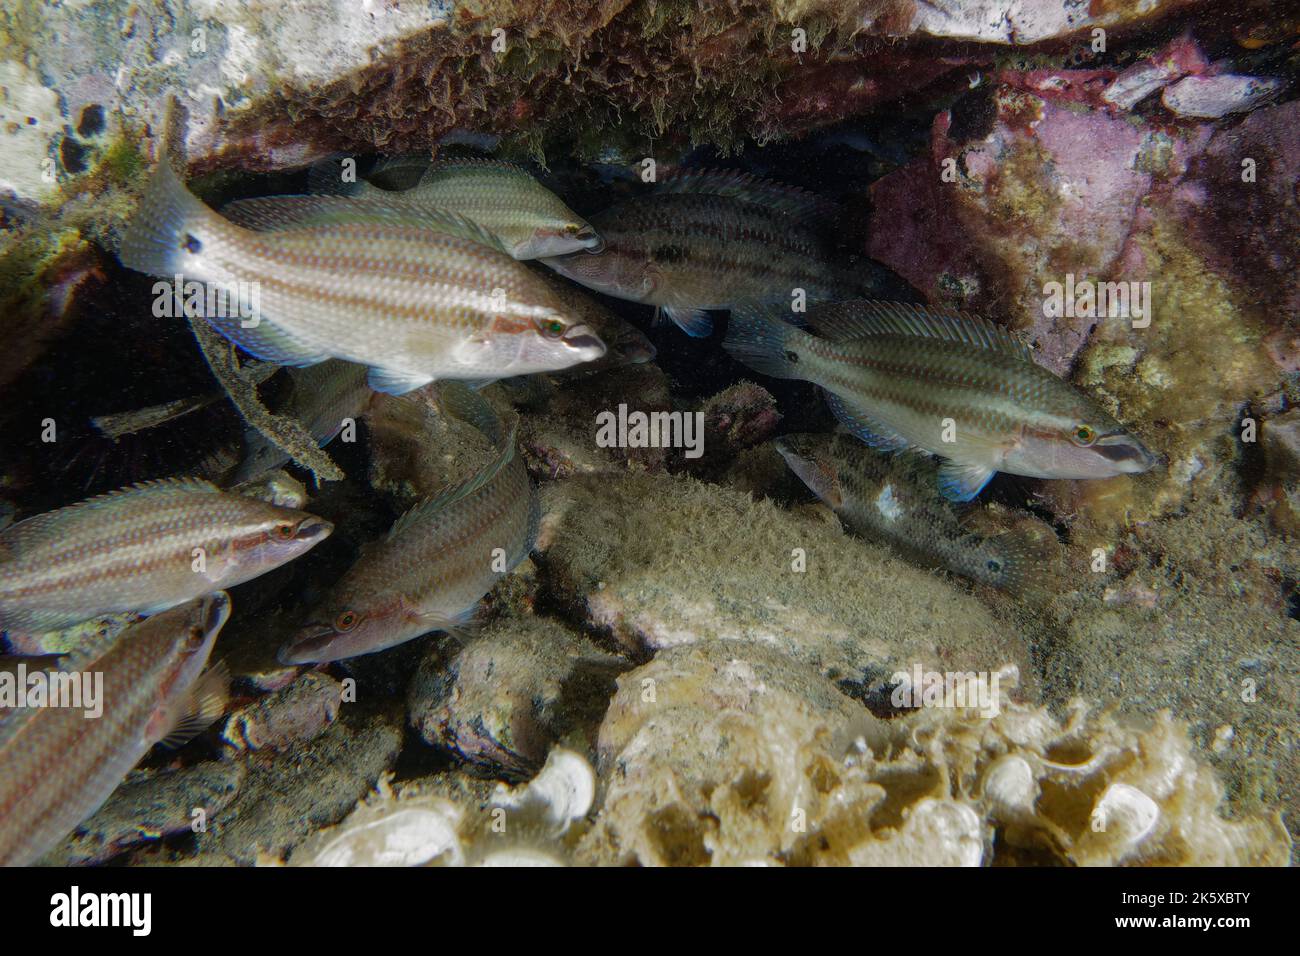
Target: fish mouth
585 342
306 646
215 612
591 240
1127 454
314 530
638 353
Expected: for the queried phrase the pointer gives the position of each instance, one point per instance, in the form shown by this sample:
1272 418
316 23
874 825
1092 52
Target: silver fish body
901 376
505 199
436 563
414 295
714 241
144 548
60 764
892 499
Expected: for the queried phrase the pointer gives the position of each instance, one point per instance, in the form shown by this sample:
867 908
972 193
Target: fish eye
572 228
194 639
1083 435
994 565
191 244
285 530
551 328
346 621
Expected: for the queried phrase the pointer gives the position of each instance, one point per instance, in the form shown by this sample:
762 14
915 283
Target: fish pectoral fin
959 481
460 626
694 322
262 338
861 423
205 703
392 382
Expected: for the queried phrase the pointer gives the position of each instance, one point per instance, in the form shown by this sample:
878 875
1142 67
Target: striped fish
415 295
505 199
144 548
437 561
60 765
903 376
892 499
717 240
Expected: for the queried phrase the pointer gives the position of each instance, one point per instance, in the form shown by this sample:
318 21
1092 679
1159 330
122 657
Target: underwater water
759 433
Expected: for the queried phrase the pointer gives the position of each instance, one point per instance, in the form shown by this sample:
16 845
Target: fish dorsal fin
791 200
17 536
282 213
205 702
399 173
847 321
443 499
466 404
453 163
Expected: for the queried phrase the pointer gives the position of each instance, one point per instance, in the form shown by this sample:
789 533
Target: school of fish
355 289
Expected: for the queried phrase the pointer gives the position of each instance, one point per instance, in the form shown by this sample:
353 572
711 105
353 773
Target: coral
768 764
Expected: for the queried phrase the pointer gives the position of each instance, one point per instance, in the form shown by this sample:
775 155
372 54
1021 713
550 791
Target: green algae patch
655 561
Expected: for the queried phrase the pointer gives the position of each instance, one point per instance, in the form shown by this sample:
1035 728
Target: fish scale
891 499
134 550
413 293
436 562
60 765
903 376
717 240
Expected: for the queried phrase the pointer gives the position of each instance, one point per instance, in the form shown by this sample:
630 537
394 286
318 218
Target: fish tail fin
757 337
155 239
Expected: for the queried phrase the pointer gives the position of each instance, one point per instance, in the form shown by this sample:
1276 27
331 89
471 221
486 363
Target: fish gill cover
718 432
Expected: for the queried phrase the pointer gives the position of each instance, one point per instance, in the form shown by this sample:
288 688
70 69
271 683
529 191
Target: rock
151 805
657 561
1007 21
285 798
1178 58
295 715
713 753
561 440
1210 97
504 698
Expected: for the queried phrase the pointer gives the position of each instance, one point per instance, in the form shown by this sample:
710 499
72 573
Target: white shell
1127 812
410 836
1010 787
566 786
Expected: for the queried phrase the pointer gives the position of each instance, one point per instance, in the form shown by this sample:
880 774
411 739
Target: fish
625 344
504 199
120 424
143 548
415 295
892 499
901 376
61 765
716 240
437 561
324 396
